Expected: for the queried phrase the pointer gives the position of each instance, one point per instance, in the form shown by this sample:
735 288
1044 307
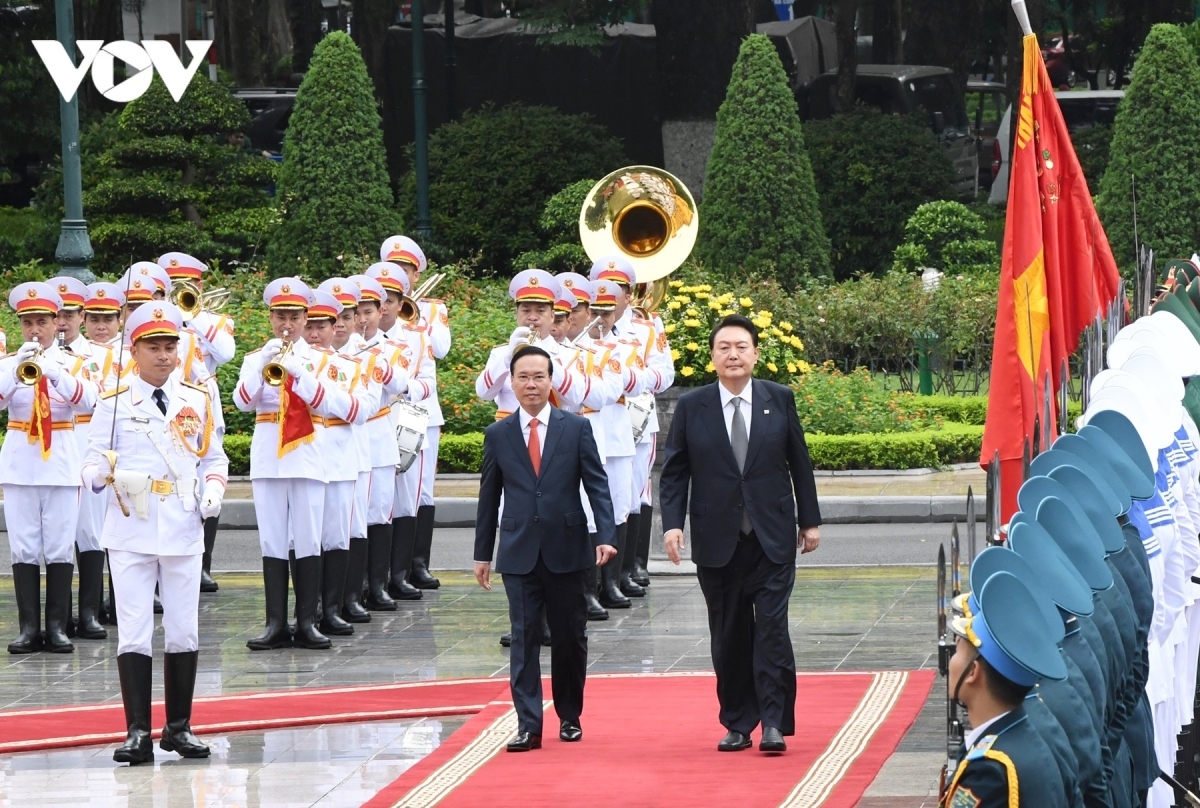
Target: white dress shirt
542 417
727 406
977 733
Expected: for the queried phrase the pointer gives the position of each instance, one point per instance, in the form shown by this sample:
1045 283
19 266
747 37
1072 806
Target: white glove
210 506
104 469
52 369
294 366
271 349
521 334
27 351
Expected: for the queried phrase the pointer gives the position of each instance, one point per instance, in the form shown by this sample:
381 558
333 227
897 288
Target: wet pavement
864 618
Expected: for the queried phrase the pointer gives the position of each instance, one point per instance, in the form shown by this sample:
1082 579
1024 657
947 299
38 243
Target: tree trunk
240 21
305 18
278 39
944 33
697 42
847 54
887 33
371 21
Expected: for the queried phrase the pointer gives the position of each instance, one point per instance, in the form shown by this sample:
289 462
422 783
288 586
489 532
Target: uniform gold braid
208 430
950 789
1014 795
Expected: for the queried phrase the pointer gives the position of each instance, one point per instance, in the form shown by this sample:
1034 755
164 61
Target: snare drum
411 423
639 409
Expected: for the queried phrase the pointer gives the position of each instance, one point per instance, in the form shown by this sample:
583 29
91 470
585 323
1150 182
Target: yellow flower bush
690 312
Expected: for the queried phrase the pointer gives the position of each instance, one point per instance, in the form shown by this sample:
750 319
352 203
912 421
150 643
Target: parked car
270 110
929 94
1081 110
986 102
1057 64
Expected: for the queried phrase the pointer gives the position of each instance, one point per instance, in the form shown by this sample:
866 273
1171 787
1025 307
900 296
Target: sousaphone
647 215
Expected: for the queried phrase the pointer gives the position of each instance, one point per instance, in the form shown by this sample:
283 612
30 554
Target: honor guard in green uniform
1002 650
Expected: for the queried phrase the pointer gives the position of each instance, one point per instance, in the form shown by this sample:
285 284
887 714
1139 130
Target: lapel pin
766 412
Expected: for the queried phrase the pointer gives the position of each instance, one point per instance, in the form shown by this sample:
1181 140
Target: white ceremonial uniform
361 432
194 366
618 439
289 492
422 389
603 388
493 384
659 371
391 372
99 368
41 495
435 321
214 333
179 453
339 445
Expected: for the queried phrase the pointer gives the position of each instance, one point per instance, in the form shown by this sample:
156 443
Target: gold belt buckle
161 487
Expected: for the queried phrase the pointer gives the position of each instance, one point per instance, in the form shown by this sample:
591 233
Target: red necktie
535 448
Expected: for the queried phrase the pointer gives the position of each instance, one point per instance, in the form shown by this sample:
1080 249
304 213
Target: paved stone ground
841 619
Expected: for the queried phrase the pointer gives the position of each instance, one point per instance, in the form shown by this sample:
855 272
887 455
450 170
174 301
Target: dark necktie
160 398
740 442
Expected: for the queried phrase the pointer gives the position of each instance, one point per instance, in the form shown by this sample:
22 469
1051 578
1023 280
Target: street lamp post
420 133
74 251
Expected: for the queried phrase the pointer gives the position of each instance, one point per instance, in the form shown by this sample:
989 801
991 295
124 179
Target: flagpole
1022 16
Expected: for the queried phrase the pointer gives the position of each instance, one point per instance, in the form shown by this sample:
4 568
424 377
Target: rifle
954 727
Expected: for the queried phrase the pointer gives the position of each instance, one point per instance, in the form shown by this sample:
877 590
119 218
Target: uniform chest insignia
333 372
196 352
429 350
965 798
662 342
443 319
614 366
404 362
188 421
980 749
377 374
638 361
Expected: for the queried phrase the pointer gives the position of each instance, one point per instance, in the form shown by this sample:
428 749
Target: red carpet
848 724
87 724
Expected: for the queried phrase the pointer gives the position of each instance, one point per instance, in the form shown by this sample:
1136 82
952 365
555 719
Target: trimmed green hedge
954 443
460 453
237 447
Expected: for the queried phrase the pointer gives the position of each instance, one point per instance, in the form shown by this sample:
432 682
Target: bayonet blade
994 538
988 492
955 568
1063 398
941 593
971 527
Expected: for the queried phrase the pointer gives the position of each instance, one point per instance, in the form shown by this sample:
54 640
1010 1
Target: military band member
102 313
97 367
422 386
622 358
287 472
144 280
435 323
390 370
340 448
347 293
211 335
39 467
166 475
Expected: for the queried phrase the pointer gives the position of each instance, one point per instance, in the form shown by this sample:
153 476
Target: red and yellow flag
1057 273
295 419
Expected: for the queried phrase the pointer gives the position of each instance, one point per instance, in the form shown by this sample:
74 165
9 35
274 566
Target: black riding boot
275 589
207 584
641 560
134 671
628 547
594 610
379 561
419 575
179 683
404 536
610 576
356 569
27 581
91 592
307 583
333 586
58 607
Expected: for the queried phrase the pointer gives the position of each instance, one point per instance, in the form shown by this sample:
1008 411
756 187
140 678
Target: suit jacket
542 513
778 475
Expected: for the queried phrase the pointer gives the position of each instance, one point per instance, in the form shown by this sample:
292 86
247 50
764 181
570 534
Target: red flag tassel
295 422
41 423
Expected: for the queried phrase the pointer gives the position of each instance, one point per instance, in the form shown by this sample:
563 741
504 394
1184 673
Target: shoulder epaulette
609 345
110 393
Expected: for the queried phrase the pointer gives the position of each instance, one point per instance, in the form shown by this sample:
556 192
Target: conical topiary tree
759 210
1156 142
333 190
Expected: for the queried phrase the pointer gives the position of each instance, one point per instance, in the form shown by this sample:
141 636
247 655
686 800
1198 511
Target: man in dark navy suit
536 459
738 446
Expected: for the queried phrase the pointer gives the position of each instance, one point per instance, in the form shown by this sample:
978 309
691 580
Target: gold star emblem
533 281
158 314
174 262
570 284
100 294
285 289
337 289
31 294
62 288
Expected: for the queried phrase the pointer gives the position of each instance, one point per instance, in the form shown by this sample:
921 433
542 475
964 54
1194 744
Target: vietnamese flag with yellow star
1057 273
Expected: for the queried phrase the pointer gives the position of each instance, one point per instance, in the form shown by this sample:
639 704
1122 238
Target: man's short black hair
734 321
530 350
1003 689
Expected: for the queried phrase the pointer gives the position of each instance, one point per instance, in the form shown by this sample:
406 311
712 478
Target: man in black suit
738 445
536 458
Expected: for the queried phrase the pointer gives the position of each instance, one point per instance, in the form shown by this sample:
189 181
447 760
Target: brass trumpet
29 372
410 311
274 373
187 296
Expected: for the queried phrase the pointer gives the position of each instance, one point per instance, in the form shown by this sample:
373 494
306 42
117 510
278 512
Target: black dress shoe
524 742
506 640
207 584
772 741
570 731
734 742
137 749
